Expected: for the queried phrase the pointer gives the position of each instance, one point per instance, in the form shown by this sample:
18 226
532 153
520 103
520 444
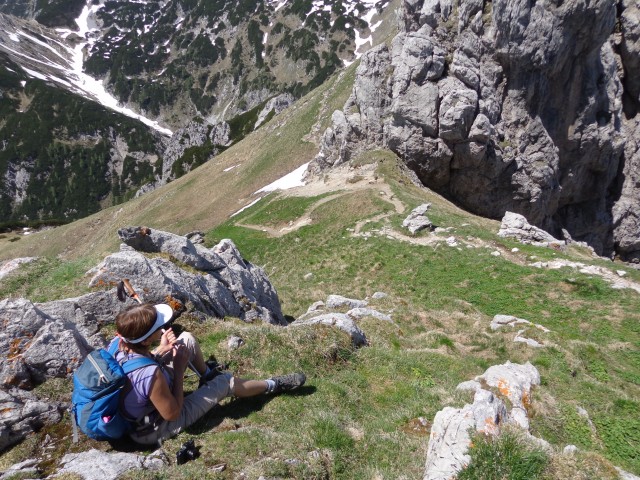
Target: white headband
163 315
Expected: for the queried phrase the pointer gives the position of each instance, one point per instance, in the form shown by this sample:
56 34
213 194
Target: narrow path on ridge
342 182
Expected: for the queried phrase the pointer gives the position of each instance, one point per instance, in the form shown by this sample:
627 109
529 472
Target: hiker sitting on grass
155 397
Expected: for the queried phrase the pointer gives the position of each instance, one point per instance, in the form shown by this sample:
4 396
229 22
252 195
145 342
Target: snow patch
291 180
84 84
14 37
244 208
35 74
279 4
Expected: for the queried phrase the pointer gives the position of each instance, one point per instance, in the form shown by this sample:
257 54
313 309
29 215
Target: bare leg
197 358
248 388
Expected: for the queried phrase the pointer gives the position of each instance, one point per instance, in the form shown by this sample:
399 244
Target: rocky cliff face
510 106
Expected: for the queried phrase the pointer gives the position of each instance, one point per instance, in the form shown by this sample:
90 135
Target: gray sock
271 384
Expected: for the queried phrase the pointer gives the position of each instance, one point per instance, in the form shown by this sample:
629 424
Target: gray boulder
360 313
230 286
341 321
97 465
514 381
144 239
516 226
9 266
500 321
25 469
336 143
338 301
451 433
37 345
23 413
417 220
452 427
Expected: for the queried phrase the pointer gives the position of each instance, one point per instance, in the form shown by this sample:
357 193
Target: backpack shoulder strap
136 363
113 346
130 365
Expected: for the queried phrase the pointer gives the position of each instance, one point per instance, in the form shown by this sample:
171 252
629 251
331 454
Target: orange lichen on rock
174 303
490 426
503 386
526 400
14 348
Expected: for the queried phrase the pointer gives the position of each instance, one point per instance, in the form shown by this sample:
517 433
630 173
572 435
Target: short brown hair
135 321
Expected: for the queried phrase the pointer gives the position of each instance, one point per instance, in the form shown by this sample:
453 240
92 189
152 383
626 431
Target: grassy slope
360 416
206 196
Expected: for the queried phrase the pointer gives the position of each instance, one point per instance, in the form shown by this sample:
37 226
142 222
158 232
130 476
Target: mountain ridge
62 57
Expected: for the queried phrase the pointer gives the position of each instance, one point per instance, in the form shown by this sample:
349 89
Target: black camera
187 452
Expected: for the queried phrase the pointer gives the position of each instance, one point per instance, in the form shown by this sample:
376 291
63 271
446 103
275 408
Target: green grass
357 416
272 212
47 279
518 461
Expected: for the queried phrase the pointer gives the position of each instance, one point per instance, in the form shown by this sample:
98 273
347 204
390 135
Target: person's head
137 325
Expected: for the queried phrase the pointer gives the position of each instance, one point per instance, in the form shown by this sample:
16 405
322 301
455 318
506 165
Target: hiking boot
215 369
285 383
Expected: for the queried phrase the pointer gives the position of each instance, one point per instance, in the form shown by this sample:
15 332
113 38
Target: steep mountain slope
208 195
52 13
180 59
214 71
217 59
367 412
63 157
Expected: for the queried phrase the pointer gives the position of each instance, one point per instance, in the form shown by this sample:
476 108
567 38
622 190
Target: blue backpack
97 385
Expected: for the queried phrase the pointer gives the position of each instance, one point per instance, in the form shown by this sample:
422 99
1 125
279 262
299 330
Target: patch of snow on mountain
95 88
264 42
14 37
291 180
279 4
246 206
35 74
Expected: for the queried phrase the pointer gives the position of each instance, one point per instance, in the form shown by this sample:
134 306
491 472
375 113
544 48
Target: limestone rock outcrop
228 285
47 340
96 465
452 428
23 413
510 106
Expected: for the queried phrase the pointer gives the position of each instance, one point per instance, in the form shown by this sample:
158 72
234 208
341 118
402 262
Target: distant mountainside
192 76
180 59
51 13
63 157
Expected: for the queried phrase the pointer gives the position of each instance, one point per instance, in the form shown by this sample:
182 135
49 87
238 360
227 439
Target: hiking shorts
194 407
